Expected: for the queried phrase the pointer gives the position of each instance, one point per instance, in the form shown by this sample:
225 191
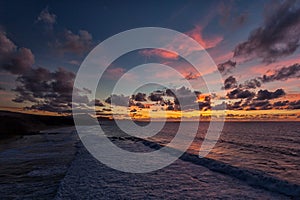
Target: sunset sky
254 44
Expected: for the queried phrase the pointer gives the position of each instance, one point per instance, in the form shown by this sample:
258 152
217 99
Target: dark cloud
235 106
96 102
49 19
261 102
265 94
170 93
185 98
226 67
139 97
260 105
240 94
50 91
205 105
294 105
192 76
170 107
230 83
88 91
278 37
283 73
251 84
189 100
140 105
118 100
75 43
13 59
221 106
58 108
40 87
279 104
156 96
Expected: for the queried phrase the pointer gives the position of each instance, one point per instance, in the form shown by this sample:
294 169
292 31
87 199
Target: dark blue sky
105 18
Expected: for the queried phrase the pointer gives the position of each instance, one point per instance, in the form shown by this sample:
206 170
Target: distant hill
13 123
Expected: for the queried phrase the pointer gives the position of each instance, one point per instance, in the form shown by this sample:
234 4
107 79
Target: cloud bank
278 37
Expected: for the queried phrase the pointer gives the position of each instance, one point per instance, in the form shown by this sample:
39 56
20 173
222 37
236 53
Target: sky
253 45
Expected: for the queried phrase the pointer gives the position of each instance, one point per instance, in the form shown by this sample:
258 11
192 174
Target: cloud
226 67
234 106
205 42
156 96
280 104
186 98
260 105
49 91
114 73
139 97
251 84
118 100
96 102
265 94
40 87
278 37
13 59
206 104
87 91
74 62
283 73
260 101
192 76
178 43
221 106
75 43
240 94
49 19
230 83
294 105
182 99
159 53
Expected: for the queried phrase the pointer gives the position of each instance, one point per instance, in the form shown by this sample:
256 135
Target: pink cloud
206 43
159 53
268 69
222 57
114 73
180 44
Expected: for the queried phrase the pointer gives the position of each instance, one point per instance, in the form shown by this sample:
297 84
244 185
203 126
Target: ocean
253 160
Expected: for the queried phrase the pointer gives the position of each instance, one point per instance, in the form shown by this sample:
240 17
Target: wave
254 178
281 150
